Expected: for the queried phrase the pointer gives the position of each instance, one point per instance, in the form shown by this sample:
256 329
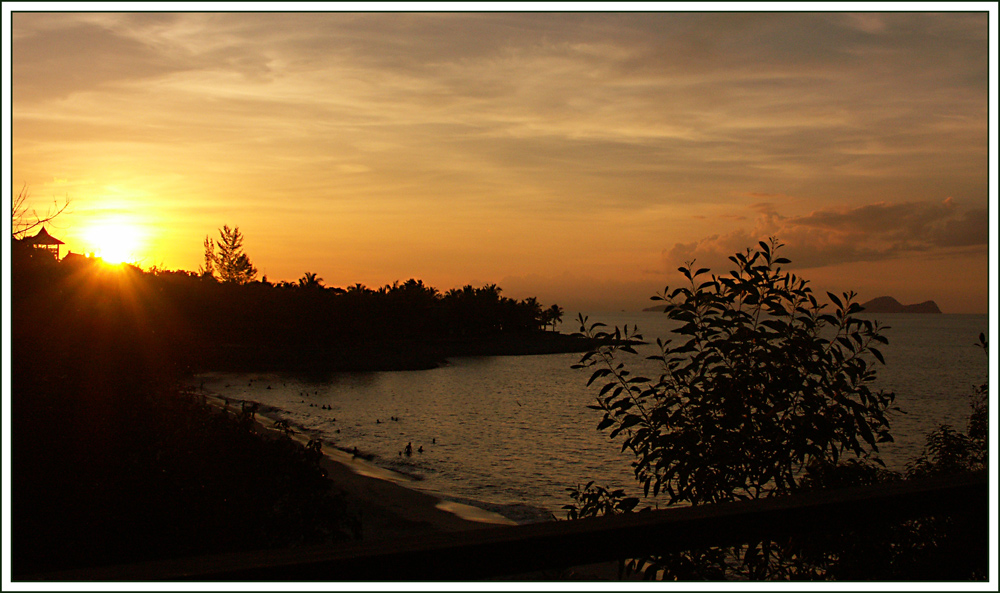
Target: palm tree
311 281
553 315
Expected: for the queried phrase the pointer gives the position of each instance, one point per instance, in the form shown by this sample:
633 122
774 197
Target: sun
115 241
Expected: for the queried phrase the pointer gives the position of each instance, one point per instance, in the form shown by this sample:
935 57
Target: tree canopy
230 263
763 383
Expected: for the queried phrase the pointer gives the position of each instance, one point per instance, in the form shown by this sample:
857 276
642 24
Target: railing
498 551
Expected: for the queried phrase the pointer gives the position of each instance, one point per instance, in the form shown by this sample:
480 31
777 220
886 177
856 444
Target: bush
949 451
763 384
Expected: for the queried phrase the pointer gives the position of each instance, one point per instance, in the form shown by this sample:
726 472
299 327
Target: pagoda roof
43 238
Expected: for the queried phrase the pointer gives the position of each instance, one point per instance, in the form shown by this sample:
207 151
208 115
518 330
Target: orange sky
579 158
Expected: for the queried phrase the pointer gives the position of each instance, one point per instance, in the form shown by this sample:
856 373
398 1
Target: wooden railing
494 552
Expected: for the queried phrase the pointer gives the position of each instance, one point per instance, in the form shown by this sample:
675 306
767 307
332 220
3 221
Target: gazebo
43 240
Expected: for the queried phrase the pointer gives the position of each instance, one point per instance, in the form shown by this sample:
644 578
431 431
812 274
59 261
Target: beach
388 508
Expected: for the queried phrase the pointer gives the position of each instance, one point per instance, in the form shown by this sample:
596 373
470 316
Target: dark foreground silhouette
112 463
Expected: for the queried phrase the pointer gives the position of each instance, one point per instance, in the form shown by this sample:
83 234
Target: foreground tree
763 385
231 263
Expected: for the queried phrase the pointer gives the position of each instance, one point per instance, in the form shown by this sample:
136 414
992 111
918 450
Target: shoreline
388 508
391 355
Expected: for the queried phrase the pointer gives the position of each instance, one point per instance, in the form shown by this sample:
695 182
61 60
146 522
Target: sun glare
115 241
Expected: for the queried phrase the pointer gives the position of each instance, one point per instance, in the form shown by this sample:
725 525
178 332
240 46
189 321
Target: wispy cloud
872 232
615 130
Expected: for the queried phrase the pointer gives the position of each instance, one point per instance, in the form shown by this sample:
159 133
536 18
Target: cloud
867 233
704 96
970 229
615 129
57 62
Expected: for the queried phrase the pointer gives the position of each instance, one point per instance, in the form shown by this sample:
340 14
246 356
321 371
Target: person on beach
409 449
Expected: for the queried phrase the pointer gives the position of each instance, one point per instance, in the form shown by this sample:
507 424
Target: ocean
510 434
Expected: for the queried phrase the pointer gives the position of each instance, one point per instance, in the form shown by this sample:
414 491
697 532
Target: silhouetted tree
763 385
231 263
552 316
207 269
310 280
24 221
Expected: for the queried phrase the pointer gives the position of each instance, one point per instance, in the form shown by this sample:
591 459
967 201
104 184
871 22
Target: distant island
883 304
886 304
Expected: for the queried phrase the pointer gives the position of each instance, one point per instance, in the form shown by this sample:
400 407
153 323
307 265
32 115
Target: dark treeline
200 323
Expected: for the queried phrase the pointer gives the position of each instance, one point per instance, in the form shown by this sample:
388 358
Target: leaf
877 354
631 420
597 374
866 432
835 300
627 504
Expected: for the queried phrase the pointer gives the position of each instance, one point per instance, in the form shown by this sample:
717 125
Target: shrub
763 384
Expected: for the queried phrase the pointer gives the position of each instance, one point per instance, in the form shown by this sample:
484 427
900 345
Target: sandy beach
388 508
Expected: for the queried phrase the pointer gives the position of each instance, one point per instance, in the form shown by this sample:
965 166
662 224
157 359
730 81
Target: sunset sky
576 157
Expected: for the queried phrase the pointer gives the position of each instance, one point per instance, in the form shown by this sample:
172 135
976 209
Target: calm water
510 434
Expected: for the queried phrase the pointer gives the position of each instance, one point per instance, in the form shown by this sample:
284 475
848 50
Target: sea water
511 433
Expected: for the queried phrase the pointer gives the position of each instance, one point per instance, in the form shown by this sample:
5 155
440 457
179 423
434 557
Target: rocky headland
887 304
